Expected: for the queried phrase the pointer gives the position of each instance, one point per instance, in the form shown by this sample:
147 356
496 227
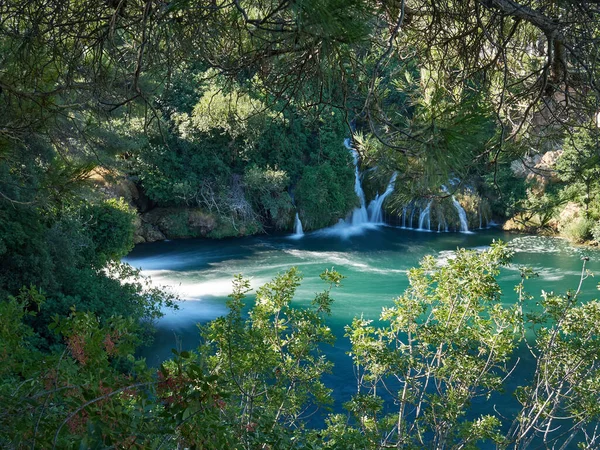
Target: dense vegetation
123 119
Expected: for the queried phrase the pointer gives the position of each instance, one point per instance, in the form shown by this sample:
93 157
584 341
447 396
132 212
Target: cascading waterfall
376 206
359 215
425 215
374 215
404 217
361 218
462 215
298 227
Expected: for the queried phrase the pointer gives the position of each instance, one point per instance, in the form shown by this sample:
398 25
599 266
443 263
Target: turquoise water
374 260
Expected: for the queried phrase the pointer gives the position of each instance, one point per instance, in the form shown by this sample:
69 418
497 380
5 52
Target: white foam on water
194 285
339 259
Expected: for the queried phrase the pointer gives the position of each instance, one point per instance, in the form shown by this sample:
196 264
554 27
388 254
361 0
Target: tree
579 164
447 342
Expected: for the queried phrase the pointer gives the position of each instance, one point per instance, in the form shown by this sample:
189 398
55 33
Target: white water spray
462 215
361 218
376 206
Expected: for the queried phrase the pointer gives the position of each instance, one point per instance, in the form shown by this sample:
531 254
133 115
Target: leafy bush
505 191
323 196
110 227
266 190
579 229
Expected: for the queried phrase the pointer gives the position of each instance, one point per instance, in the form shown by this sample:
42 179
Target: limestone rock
539 170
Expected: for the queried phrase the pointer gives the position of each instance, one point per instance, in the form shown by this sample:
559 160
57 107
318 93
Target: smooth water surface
374 260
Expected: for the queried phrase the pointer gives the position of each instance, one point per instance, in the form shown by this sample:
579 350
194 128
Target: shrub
323 196
579 230
110 225
267 192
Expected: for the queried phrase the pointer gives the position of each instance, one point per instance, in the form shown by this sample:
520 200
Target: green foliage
267 192
447 330
578 229
110 227
323 197
73 257
271 362
25 256
230 134
505 191
579 165
75 396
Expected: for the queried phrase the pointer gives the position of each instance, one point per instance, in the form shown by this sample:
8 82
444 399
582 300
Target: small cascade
361 218
404 217
480 218
425 215
298 227
462 215
376 206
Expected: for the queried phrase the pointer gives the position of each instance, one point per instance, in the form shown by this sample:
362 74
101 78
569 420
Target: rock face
539 169
166 223
156 223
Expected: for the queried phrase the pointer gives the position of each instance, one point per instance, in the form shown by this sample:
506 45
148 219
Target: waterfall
375 207
298 227
359 215
360 218
404 217
462 215
425 215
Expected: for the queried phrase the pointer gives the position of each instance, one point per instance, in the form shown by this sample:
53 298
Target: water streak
361 219
425 215
462 215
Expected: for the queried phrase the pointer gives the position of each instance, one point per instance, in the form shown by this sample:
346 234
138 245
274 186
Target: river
374 260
